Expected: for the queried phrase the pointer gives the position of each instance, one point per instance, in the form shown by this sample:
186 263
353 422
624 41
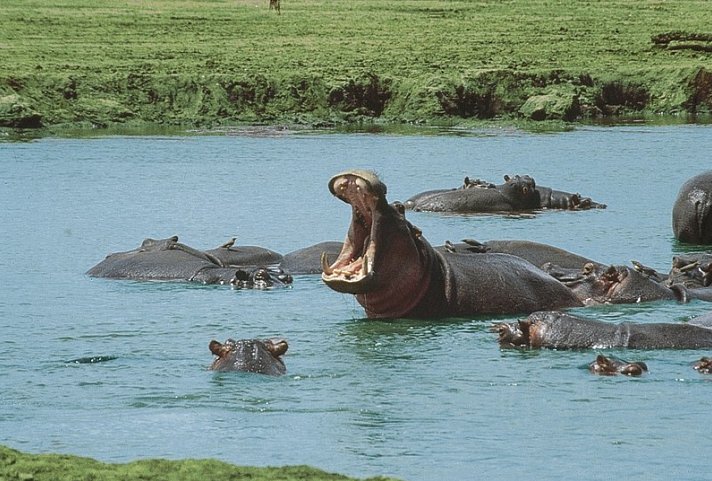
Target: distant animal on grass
274 4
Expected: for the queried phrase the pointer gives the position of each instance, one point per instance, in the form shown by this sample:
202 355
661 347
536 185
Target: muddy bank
17 466
37 101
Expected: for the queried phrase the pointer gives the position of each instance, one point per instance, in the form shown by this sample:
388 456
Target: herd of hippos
392 270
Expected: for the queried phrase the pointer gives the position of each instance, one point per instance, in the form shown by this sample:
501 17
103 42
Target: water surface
419 400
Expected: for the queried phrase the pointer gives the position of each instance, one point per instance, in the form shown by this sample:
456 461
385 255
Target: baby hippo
610 366
250 355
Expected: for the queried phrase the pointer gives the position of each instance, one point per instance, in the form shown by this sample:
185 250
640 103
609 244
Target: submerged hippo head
512 334
260 278
618 285
249 355
610 366
379 242
521 190
477 184
692 270
703 366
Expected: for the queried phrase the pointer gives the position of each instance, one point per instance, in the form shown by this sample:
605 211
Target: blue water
419 400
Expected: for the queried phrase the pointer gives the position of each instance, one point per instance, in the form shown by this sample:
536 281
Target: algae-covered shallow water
419 400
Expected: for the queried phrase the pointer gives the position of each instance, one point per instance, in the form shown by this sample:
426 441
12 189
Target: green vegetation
17 466
217 62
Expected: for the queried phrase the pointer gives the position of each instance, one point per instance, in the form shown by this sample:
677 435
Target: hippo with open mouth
394 272
250 355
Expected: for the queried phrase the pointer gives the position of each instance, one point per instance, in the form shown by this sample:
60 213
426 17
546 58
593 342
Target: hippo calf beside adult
250 355
517 193
395 272
560 330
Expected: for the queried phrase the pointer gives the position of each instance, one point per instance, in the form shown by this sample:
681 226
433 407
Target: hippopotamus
170 260
308 259
395 272
261 278
704 365
560 330
250 355
691 270
692 210
616 284
517 193
610 366
241 256
704 320
537 253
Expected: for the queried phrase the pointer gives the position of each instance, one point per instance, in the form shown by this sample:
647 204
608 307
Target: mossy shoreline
426 62
34 102
18 466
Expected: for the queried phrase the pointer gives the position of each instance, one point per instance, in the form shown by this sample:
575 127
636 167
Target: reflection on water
85 360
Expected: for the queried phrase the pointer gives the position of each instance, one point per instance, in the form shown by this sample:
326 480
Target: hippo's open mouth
352 272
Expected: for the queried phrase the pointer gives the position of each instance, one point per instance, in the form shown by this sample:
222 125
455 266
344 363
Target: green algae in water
18 466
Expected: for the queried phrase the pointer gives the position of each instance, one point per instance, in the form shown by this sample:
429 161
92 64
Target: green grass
223 61
17 466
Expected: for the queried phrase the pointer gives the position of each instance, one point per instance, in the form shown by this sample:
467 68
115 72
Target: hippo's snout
366 179
510 334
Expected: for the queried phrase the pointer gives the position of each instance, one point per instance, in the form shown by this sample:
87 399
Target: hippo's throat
353 270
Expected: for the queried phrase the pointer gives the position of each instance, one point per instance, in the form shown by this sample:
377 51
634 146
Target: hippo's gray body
559 330
516 194
692 210
170 260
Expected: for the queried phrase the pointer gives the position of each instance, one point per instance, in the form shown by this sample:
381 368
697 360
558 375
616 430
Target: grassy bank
17 466
218 62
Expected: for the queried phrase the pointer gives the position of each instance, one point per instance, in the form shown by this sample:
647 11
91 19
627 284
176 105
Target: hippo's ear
507 178
215 347
276 347
681 293
634 369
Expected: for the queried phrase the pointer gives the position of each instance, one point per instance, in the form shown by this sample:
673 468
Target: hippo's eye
261 274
